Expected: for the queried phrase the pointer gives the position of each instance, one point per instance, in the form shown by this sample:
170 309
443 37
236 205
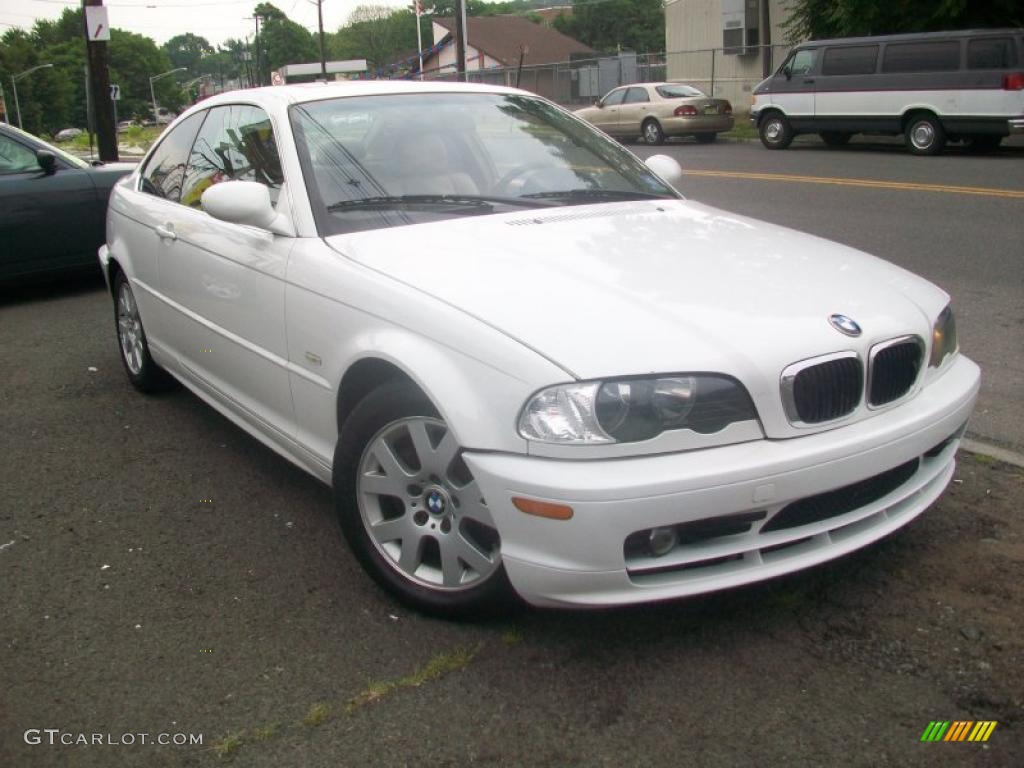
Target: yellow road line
1017 194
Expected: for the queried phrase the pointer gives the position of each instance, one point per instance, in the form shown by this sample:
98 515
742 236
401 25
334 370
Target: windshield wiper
596 194
483 202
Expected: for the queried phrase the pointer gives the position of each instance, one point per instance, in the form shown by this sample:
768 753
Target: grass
439 666
227 746
265 732
316 715
742 129
135 135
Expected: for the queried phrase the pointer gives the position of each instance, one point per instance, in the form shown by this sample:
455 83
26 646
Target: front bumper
583 561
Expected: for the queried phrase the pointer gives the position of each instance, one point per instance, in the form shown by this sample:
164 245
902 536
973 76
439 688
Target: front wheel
652 132
144 374
410 509
925 135
775 131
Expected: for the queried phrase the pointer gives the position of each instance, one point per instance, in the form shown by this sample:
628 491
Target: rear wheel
924 134
836 138
144 374
411 510
775 131
652 132
706 138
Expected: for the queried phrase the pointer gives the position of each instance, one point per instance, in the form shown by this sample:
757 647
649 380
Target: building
496 42
724 47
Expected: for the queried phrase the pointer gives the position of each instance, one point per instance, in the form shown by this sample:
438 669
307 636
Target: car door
634 110
794 86
607 115
224 282
47 221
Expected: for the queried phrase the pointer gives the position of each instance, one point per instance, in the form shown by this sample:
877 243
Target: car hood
645 287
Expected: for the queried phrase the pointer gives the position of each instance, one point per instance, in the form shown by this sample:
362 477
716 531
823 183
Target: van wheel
412 511
925 135
653 134
836 138
775 131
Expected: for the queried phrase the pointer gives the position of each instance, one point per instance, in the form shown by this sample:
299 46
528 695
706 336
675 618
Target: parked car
656 111
932 88
67 134
52 206
524 362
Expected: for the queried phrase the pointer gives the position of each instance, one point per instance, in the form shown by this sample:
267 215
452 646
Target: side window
16 158
850 60
165 170
236 143
940 56
991 53
802 62
614 98
636 96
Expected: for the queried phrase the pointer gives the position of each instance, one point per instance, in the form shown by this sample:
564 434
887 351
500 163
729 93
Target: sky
216 20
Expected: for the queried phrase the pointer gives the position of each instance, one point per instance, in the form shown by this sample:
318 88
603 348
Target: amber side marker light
542 508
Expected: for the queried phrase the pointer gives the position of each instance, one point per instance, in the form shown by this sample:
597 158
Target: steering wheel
530 169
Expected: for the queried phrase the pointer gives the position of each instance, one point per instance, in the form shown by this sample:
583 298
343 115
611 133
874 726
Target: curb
993 452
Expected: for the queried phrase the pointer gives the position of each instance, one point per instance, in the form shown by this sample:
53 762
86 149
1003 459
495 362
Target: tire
984 143
144 374
652 132
836 138
706 138
411 511
924 134
775 131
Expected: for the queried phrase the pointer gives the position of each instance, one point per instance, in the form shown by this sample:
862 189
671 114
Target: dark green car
53 207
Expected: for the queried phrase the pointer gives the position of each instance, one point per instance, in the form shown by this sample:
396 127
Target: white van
932 87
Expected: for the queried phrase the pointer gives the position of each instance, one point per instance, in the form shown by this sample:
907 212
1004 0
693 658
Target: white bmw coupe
523 361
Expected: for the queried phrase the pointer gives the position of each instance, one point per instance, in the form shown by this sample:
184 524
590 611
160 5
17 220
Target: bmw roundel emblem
844 324
435 502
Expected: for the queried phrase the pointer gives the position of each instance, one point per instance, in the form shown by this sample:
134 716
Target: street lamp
14 85
153 79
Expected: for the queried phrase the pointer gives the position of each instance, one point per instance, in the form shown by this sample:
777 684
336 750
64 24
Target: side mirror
47 161
666 168
245 202
599 103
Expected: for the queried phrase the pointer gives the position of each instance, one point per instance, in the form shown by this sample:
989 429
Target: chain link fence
725 73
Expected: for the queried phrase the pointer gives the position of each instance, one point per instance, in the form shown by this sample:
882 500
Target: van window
938 56
990 53
799 62
850 60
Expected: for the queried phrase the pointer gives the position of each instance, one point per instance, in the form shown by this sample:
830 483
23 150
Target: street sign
97 25
115 92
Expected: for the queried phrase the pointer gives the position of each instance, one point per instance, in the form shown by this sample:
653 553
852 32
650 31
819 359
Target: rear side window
991 53
236 143
939 56
165 170
850 60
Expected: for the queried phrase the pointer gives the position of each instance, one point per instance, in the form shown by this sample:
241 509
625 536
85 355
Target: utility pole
460 40
765 23
259 77
97 32
323 56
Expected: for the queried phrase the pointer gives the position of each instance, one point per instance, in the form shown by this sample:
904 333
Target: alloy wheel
129 329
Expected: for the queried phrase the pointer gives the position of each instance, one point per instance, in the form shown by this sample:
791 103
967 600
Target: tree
187 51
637 25
377 33
282 41
848 18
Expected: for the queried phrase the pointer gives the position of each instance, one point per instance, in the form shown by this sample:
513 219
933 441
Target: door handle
166 232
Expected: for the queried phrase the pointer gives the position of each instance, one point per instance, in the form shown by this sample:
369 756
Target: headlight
944 340
633 409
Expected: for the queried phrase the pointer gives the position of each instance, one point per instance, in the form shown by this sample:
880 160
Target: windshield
678 91
392 160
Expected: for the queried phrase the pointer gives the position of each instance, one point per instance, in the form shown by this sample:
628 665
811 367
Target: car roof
909 37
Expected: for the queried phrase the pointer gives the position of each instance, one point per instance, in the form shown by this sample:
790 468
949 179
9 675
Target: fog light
661 541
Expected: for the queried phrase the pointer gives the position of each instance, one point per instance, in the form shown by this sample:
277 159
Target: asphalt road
969 243
162 572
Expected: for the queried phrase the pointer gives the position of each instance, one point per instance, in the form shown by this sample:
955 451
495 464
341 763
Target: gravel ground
163 572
